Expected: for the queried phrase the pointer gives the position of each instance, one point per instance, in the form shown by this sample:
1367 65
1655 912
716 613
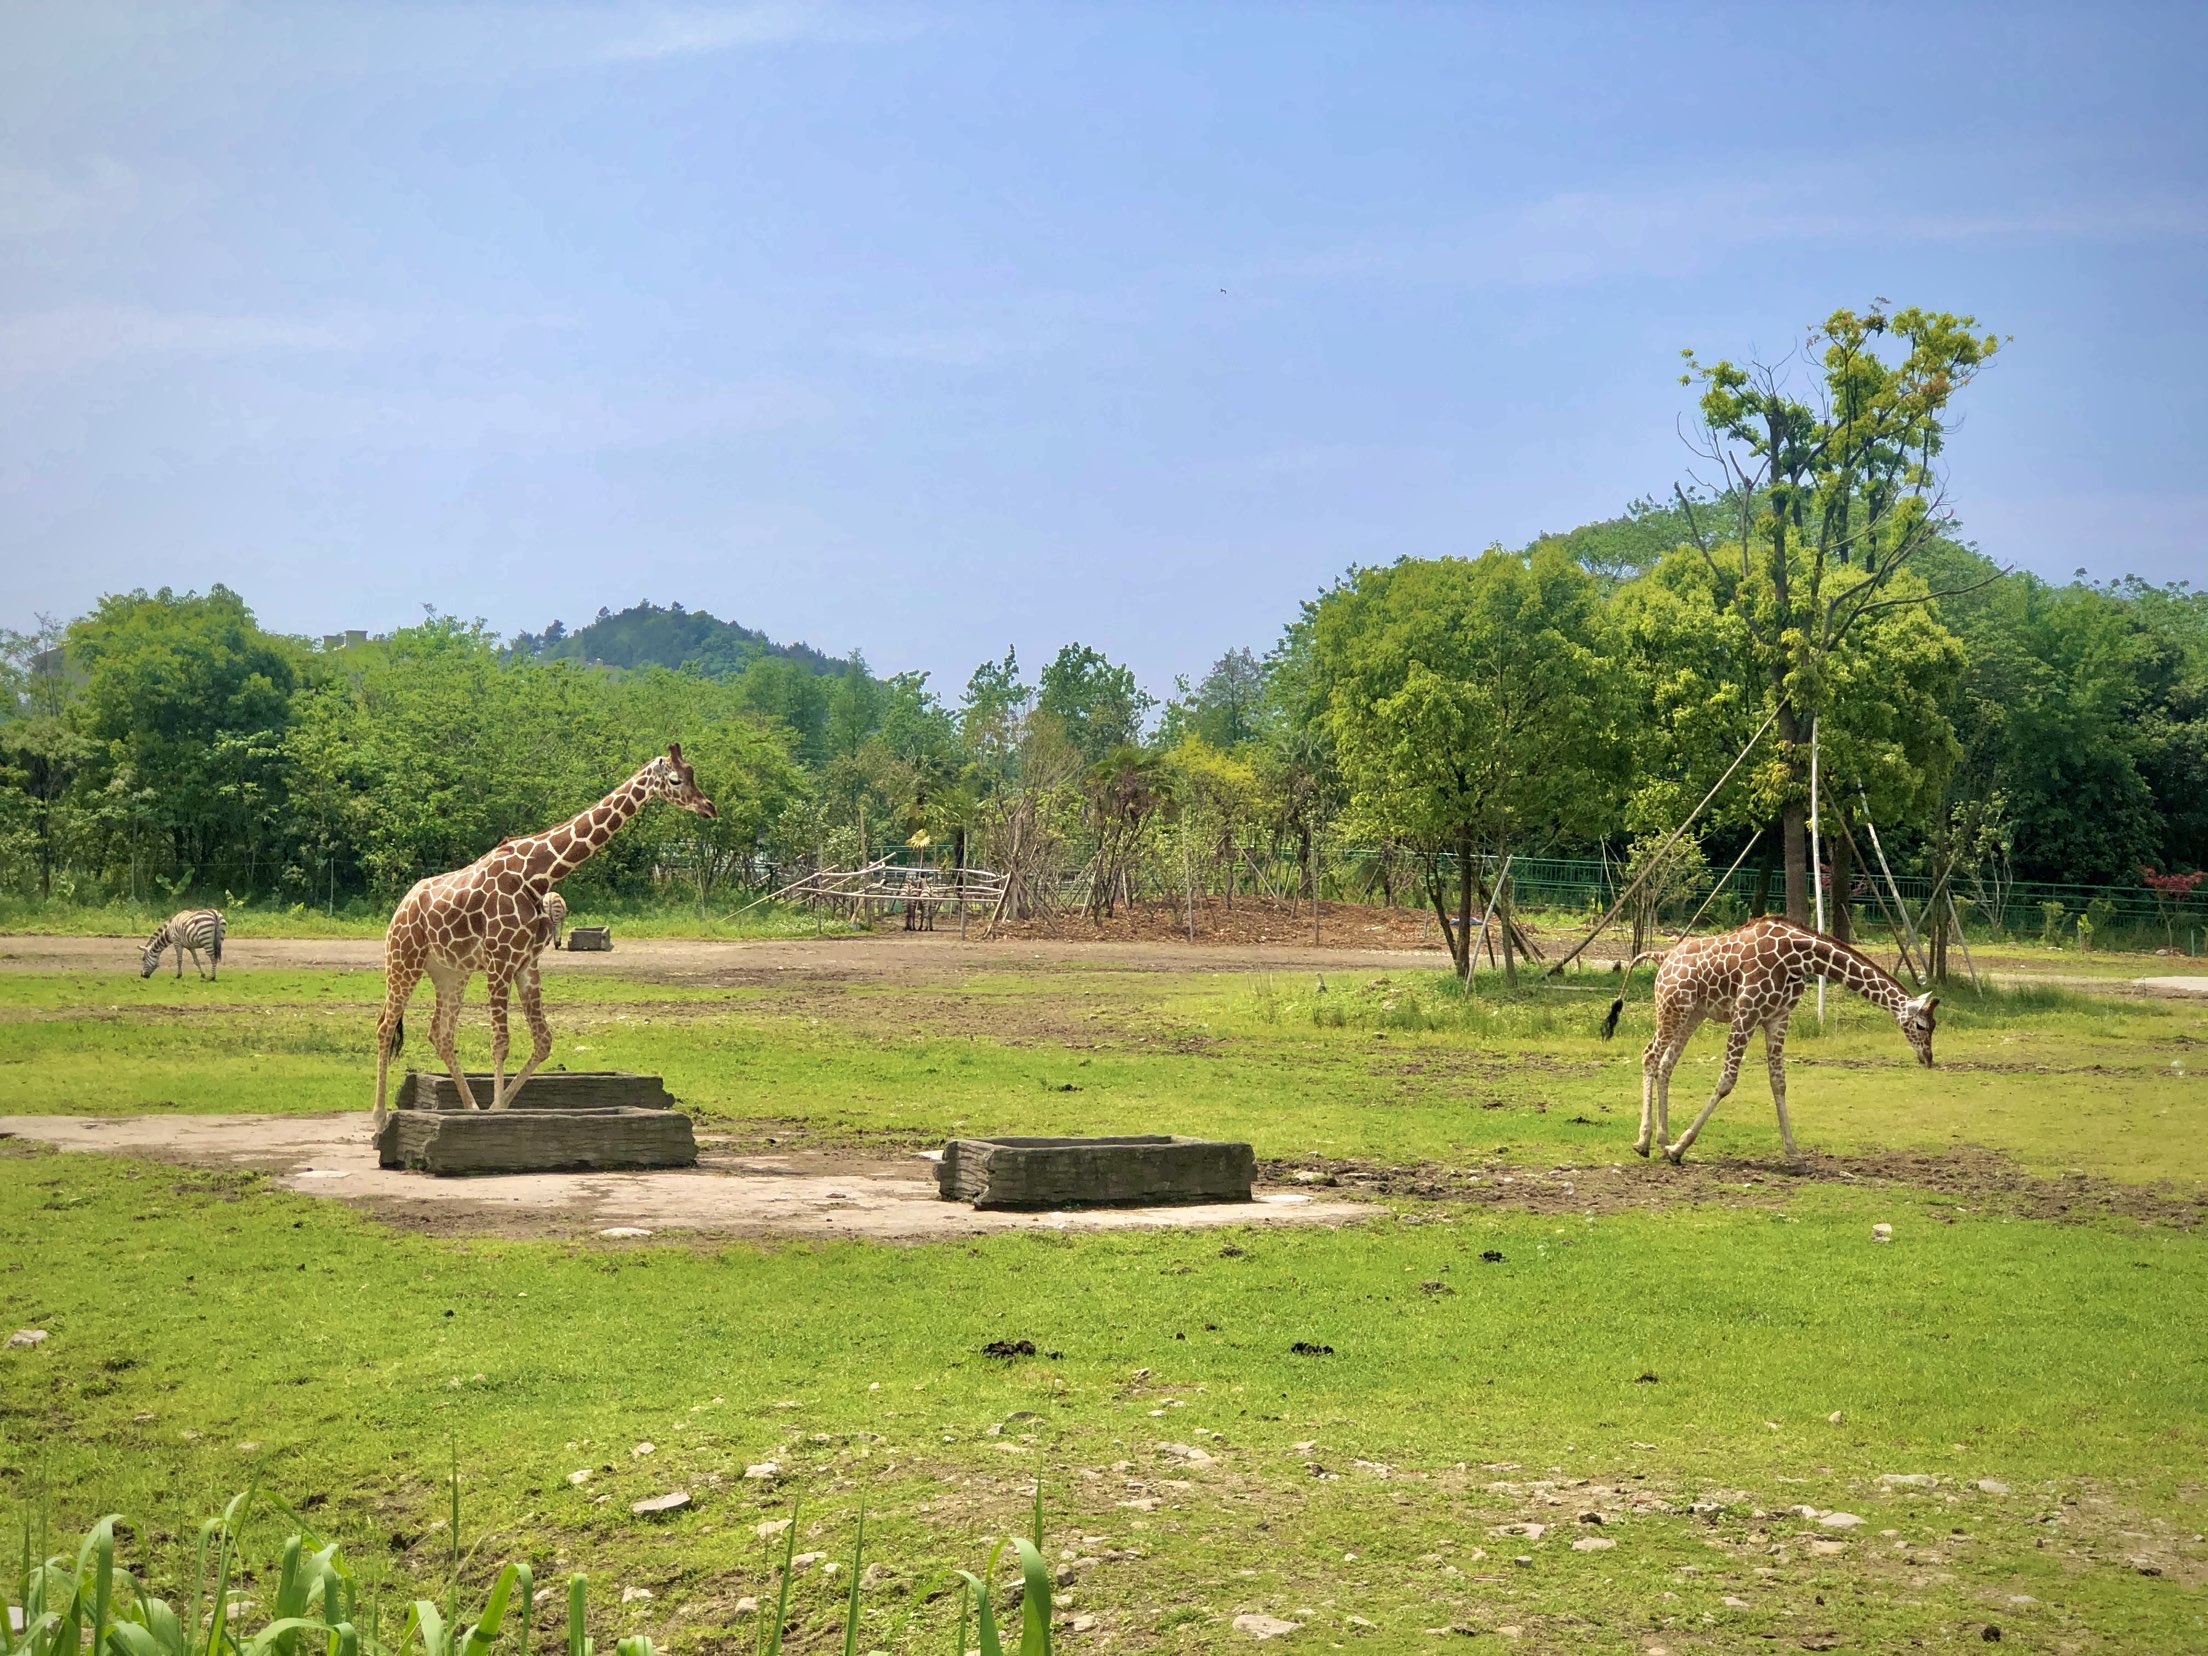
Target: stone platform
547 1090
1145 1170
567 1122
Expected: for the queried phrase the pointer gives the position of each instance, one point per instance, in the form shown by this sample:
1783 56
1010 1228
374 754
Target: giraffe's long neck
565 847
1844 966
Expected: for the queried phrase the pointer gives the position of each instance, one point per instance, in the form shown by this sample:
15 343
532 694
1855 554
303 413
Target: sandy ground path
918 958
731 1193
705 961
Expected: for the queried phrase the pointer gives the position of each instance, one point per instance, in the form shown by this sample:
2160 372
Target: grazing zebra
555 916
193 929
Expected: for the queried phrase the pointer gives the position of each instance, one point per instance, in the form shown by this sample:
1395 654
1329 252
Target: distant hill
645 635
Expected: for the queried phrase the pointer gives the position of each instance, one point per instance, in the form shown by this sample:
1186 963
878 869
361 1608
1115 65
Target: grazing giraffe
555 916
193 929
1751 977
489 917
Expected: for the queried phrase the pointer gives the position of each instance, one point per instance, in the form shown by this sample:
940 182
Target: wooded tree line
1578 695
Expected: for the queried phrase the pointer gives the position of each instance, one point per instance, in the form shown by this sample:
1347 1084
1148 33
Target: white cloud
688 31
42 202
76 337
937 347
1672 230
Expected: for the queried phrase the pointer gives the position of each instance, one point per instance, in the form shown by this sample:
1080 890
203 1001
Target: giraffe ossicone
1753 977
490 917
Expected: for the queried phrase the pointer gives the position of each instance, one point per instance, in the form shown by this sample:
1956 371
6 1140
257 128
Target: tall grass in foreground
59 1607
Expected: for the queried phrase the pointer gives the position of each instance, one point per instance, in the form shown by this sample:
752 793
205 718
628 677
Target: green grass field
1709 1373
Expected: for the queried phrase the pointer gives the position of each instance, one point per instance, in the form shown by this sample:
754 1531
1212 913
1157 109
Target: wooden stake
1625 896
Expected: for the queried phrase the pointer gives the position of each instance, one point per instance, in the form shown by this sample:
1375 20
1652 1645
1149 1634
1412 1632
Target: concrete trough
588 1121
1143 1170
547 1090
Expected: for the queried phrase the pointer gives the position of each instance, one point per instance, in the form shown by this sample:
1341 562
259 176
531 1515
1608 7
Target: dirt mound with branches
1250 920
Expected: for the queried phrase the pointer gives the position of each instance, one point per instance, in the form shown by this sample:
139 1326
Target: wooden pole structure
1625 896
1314 888
1871 823
1956 920
1720 886
1487 920
1901 938
1816 861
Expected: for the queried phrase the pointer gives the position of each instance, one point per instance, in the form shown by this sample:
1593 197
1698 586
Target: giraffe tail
1627 968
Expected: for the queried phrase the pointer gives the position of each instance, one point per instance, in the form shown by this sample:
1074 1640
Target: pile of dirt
1250 920
1970 1181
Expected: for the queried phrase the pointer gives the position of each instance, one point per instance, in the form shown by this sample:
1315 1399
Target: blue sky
932 329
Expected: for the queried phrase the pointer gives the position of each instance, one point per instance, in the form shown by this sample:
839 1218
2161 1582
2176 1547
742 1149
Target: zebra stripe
555 916
198 930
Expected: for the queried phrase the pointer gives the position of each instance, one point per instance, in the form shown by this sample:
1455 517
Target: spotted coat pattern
490 917
1752 978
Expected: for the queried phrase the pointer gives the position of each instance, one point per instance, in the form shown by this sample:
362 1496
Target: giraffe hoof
1675 1153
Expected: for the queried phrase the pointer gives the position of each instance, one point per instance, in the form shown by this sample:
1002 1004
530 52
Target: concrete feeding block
567 1122
452 1142
547 1090
1145 1170
590 939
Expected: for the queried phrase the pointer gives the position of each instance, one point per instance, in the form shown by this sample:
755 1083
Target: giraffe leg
1649 1055
500 985
540 1032
1675 1047
398 988
1774 1057
1736 1044
1657 1058
444 1027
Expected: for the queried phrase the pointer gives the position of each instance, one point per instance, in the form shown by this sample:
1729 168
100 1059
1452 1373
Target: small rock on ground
673 1501
1593 1543
1993 1486
1840 1520
1264 1627
618 1232
26 1337
629 1595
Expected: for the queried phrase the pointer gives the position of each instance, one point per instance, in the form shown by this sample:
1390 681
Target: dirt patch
768 962
1250 922
778 1190
1972 1180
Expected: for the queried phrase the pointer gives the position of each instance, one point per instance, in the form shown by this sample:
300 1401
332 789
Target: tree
40 754
186 701
1471 708
1223 710
1094 700
1821 503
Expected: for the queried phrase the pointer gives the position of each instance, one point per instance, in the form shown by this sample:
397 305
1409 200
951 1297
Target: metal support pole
1816 861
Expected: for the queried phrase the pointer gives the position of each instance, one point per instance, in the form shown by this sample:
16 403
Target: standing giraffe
1752 976
489 917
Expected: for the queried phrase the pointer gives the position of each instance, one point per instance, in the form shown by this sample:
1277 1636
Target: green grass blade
851 1604
1034 1600
578 1642
986 1622
782 1594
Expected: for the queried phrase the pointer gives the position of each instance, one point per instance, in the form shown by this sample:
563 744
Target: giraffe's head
670 778
1915 1018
